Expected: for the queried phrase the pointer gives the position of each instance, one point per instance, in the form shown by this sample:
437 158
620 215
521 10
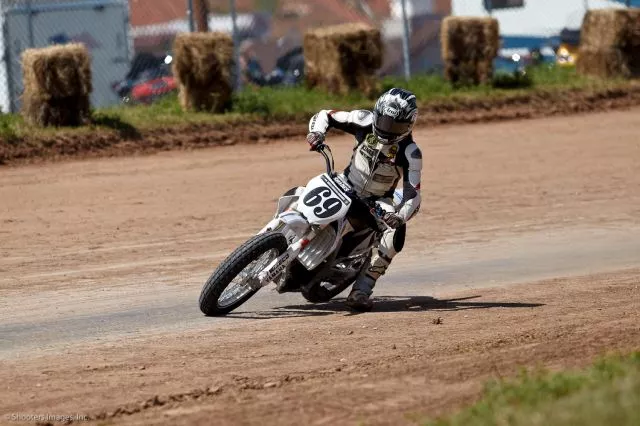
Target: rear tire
249 252
319 294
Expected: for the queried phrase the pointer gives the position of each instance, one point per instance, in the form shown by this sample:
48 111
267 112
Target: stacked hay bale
57 85
469 46
202 65
610 43
343 58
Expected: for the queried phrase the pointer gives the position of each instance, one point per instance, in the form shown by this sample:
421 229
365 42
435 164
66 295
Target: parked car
288 71
149 90
148 78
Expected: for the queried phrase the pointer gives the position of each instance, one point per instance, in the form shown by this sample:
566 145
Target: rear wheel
325 286
230 285
324 291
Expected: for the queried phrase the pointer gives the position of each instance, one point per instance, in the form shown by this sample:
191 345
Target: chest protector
375 169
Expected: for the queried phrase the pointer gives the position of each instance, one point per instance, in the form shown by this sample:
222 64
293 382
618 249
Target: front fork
279 264
298 233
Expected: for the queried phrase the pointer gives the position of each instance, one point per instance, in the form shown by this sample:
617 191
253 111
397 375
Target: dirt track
101 262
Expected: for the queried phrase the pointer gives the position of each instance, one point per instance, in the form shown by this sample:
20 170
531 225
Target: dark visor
387 126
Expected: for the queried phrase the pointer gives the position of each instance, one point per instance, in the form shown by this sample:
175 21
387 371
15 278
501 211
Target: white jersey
375 169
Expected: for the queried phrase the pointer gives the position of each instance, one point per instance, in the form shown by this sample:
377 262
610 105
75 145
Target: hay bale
343 58
606 28
57 85
610 43
469 46
603 63
202 65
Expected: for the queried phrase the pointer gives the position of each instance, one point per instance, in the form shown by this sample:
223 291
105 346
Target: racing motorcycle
318 242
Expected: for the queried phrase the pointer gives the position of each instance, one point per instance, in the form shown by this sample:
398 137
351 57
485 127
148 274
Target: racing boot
360 297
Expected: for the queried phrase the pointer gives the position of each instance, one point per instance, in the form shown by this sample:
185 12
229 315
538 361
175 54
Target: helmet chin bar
386 141
388 130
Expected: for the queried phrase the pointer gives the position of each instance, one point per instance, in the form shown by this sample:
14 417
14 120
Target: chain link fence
101 25
130 41
277 58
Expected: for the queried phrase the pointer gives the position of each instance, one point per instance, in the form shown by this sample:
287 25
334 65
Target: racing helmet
394 115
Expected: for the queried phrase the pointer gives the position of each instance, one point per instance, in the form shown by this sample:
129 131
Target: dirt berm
104 143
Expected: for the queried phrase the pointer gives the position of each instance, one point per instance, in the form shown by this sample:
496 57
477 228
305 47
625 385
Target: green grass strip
299 103
607 393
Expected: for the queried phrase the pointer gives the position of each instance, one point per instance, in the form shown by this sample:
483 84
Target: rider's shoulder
361 117
410 148
409 143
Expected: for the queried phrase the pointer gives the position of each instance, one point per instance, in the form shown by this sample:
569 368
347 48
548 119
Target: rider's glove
316 140
393 220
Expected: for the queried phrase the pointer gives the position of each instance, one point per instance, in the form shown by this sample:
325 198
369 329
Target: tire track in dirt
423 370
133 311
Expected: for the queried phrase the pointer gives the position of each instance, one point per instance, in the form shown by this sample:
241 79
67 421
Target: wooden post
201 12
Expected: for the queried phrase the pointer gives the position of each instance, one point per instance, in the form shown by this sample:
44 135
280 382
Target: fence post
192 24
405 41
30 23
236 46
8 64
201 15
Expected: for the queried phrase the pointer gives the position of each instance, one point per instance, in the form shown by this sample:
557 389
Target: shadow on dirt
384 304
124 129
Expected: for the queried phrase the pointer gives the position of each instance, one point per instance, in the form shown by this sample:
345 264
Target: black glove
316 140
393 220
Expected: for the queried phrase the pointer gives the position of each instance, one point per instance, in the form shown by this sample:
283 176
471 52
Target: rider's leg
390 245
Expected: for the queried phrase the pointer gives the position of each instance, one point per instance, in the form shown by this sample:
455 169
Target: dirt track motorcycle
318 242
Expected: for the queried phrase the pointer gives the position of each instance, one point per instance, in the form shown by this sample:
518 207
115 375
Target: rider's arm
411 183
347 121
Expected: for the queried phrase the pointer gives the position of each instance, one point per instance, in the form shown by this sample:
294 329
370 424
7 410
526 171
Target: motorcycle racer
384 153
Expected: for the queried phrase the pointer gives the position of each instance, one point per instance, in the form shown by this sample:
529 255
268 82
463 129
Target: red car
146 92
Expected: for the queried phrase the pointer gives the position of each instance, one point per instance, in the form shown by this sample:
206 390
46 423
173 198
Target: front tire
220 294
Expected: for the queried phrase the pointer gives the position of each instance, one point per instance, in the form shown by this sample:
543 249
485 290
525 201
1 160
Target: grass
8 128
607 393
299 103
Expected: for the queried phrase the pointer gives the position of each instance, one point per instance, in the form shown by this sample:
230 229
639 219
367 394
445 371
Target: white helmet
394 115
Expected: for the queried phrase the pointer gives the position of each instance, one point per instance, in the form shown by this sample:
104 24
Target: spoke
240 285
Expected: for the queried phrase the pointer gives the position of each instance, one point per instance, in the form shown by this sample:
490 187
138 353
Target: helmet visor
388 128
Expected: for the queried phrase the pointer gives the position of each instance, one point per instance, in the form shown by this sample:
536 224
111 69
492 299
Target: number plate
323 201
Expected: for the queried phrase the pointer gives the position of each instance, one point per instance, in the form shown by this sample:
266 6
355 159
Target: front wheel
230 284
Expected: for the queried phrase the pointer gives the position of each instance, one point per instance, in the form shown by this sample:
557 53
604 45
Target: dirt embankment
129 141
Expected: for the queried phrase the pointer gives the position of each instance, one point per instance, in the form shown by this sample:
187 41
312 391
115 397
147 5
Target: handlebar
328 158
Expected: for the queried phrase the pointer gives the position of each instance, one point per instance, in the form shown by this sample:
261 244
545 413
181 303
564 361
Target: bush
251 101
516 80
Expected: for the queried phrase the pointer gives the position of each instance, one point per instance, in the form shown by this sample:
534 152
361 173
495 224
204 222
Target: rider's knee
399 237
392 243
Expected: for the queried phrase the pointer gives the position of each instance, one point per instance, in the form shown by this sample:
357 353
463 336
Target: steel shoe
359 301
